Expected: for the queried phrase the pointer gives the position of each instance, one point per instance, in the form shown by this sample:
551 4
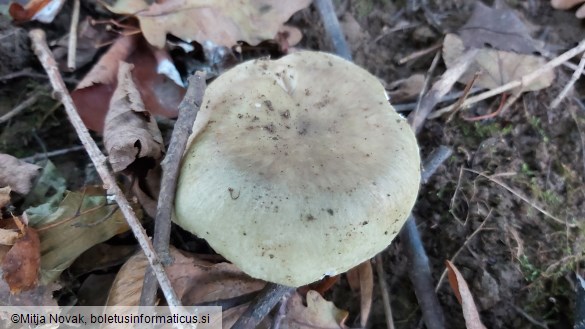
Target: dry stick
45 56
574 78
332 28
22 106
524 81
188 110
269 296
52 153
385 295
72 45
440 89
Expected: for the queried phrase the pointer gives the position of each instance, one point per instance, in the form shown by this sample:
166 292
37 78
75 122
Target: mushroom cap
297 168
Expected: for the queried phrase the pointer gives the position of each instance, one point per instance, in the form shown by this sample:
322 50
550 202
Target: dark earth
519 263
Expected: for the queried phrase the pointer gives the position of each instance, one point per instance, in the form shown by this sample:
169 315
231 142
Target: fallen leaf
19 175
4 196
318 313
43 11
463 294
101 257
131 133
221 22
82 220
21 263
497 67
406 89
92 96
194 280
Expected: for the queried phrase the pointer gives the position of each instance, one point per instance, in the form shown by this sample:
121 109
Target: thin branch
576 75
72 45
268 297
45 56
51 154
188 110
22 106
332 28
384 291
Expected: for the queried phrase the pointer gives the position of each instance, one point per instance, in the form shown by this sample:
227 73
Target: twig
469 238
453 95
524 81
72 45
188 110
332 28
28 73
440 89
52 153
270 295
522 197
45 56
420 53
466 91
576 75
22 106
384 291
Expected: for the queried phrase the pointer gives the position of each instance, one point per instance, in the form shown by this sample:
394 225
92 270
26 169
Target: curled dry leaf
131 133
19 175
220 22
499 60
92 96
463 294
21 263
43 11
568 4
318 313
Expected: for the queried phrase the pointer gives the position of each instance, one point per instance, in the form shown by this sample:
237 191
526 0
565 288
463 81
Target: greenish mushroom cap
297 168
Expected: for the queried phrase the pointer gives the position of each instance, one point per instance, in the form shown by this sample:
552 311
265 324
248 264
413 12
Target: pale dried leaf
220 22
463 294
8 237
318 313
19 175
130 132
406 89
497 67
366 291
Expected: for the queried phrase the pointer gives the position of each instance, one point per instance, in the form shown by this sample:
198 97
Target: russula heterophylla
297 168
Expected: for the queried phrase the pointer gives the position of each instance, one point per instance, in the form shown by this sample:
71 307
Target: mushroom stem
262 305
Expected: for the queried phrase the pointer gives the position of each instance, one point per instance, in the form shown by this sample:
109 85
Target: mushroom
297 168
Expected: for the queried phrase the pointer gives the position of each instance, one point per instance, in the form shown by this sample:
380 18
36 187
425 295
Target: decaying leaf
463 294
406 89
131 133
318 313
82 220
43 11
9 232
19 175
568 4
221 22
195 281
499 60
4 196
92 96
21 263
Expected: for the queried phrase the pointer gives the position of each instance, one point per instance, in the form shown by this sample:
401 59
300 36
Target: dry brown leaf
19 175
406 89
318 313
131 133
497 67
41 10
21 264
92 96
195 281
463 294
220 22
506 49
4 196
